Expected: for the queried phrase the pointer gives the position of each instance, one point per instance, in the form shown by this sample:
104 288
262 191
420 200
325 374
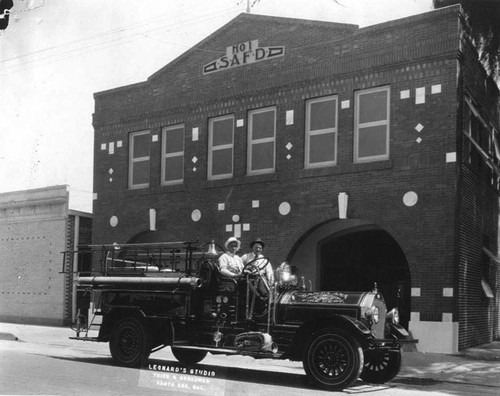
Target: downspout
76 242
458 168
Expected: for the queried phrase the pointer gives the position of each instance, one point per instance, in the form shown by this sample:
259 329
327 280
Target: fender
396 331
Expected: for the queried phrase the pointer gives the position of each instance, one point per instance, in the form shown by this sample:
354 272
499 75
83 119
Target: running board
93 339
226 351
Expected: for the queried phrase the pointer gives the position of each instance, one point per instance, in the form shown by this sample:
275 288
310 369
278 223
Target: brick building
36 226
359 155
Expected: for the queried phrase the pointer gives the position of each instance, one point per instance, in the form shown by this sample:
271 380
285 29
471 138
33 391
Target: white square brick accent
345 104
289 117
420 95
447 292
404 94
240 122
415 291
447 317
415 317
451 157
195 134
221 206
436 89
255 203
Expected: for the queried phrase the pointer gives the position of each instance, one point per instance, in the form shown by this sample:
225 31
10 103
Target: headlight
393 316
372 315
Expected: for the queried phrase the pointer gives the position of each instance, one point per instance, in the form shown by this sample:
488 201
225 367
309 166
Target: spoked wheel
129 344
189 356
381 366
333 359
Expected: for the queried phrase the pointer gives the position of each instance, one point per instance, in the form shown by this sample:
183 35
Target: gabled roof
269 30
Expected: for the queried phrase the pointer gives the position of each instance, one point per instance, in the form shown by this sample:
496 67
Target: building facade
359 156
36 226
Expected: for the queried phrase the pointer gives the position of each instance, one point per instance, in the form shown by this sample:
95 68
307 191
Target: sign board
243 54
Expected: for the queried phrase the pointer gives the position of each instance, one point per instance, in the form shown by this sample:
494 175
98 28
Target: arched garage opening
351 255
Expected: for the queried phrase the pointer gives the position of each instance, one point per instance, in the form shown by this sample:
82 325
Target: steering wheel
252 268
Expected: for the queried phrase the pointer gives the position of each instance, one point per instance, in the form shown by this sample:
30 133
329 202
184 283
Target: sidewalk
474 366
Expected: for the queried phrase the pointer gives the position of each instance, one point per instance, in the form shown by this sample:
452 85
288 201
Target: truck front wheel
381 366
333 359
129 343
189 356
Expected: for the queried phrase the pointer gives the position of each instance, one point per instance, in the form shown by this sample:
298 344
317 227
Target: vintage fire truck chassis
149 296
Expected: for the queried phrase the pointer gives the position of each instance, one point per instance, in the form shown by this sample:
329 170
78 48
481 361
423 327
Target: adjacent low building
360 155
36 227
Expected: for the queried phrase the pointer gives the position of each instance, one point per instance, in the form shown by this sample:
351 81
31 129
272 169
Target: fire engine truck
149 296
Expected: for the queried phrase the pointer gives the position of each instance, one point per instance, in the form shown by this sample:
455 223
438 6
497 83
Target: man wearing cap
262 264
230 264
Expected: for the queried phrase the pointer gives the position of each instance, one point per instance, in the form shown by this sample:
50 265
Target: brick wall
32 237
412 54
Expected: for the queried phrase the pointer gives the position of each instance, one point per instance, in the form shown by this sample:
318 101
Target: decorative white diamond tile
255 203
419 139
345 104
194 169
288 156
289 146
110 179
195 159
110 171
419 128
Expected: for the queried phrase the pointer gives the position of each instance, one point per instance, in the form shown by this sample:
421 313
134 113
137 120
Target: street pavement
475 366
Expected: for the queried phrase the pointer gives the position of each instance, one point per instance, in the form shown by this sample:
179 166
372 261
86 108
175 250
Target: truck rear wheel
129 343
381 366
333 359
189 356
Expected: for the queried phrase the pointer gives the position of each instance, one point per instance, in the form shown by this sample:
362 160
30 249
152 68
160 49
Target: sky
55 54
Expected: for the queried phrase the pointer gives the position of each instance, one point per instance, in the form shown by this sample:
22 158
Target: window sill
347 168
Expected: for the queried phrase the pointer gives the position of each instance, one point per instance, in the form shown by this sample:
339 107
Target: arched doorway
351 255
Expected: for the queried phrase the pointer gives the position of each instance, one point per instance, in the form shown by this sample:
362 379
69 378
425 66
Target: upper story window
220 147
172 170
481 148
371 124
139 160
321 132
261 141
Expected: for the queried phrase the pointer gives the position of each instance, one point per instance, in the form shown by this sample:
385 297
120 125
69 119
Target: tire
333 359
189 356
129 343
381 366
